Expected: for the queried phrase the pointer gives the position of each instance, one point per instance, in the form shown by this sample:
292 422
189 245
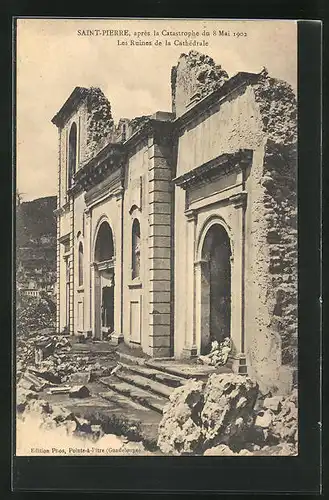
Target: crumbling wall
278 108
280 203
100 124
272 241
196 75
101 128
262 116
137 122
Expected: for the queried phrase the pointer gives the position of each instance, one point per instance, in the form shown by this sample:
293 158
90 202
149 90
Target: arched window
72 153
80 264
104 249
135 257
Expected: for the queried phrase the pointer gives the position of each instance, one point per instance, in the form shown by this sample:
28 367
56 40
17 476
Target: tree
19 198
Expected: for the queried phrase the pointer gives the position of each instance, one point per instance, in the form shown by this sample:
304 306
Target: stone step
153 374
185 370
136 394
130 359
145 383
121 411
121 399
90 355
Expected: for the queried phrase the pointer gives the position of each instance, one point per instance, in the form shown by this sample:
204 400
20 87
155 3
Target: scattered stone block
60 413
80 377
83 425
274 403
199 416
264 419
32 382
65 389
284 426
227 414
179 430
23 396
79 391
220 450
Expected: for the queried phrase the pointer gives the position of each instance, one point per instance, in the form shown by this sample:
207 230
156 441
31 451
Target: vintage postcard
156 245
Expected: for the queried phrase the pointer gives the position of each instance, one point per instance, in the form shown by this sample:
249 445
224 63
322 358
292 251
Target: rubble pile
219 353
51 358
180 432
34 320
64 429
227 415
277 421
33 315
26 347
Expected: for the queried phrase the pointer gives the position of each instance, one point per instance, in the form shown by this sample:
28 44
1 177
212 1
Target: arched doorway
215 287
104 281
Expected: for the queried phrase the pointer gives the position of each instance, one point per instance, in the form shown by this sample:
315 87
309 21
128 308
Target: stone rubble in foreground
218 414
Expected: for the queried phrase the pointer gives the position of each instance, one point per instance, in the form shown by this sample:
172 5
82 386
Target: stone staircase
149 382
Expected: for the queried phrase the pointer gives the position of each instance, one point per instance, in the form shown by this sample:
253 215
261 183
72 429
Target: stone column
238 285
117 335
190 348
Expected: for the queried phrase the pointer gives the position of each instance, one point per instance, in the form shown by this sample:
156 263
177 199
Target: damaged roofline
130 142
145 129
236 81
232 84
102 155
78 94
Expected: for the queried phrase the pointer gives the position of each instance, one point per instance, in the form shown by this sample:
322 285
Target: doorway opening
104 281
108 308
215 287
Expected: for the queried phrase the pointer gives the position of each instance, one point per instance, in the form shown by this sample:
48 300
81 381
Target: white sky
52 60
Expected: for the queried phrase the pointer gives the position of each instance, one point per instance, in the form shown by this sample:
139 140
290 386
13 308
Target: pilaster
239 201
190 348
117 335
87 272
202 304
160 250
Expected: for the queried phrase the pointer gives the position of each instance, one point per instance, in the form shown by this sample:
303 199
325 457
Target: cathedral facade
180 228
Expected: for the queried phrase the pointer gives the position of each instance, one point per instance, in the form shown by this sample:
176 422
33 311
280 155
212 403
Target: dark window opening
72 154
80 277
135 249
104 249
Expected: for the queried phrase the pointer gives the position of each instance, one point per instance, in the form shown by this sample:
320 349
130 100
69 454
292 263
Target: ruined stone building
179 228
